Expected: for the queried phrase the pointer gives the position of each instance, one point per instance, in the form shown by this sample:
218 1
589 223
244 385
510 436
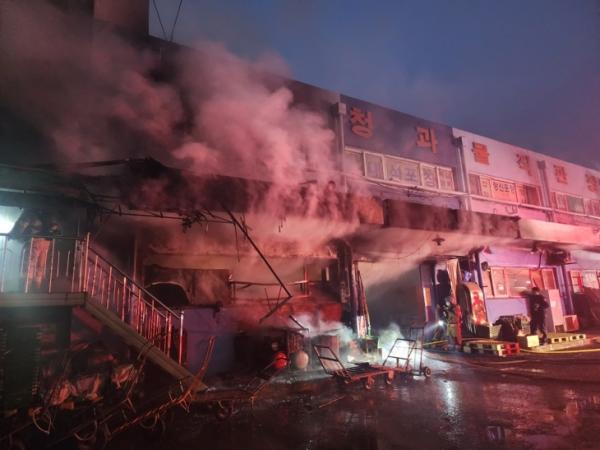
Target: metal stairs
109 295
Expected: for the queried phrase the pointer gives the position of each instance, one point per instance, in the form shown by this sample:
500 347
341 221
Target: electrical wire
175 21
159 19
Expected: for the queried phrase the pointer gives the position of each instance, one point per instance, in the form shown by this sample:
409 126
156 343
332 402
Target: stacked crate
561 338
497 348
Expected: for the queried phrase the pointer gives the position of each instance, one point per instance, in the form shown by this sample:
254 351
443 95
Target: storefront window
528 195
446 179
402 170
518 281
505 191
593 208
398 170
511 282
537 280
487 284
474 186
590 279
575 204
374 166
549 280
502 190
429 176
560 201
353 163
486 187
499 283
576 281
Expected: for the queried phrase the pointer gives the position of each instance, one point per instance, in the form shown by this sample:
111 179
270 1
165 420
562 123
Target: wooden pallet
556 338
498 348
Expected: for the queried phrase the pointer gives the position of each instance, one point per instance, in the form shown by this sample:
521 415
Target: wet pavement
460 407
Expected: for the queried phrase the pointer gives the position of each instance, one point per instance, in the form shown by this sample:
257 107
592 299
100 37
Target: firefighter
538 306
454 318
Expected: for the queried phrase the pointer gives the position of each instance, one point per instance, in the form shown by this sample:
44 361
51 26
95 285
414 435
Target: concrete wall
506 162
502 159
498 160
395 133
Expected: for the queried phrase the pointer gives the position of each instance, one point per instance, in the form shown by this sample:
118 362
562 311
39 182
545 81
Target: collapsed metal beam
244 231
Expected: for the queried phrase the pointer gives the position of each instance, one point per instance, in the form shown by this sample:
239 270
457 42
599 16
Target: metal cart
408 354
364 372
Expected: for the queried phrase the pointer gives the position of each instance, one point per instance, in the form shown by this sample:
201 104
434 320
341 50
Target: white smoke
97 96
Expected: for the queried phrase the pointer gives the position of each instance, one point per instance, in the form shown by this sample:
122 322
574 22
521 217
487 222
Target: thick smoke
91 94
386 337
97 96
244 125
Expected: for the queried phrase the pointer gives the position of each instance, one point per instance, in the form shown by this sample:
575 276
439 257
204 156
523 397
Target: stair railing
111 288
70 265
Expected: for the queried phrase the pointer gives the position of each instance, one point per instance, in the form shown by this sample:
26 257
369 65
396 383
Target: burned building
199 195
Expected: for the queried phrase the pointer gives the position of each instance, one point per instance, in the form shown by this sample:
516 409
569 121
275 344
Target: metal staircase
110 296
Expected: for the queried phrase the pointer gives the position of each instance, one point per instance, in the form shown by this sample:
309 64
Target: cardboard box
528 341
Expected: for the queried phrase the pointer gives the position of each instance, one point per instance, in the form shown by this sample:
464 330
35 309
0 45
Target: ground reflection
466 411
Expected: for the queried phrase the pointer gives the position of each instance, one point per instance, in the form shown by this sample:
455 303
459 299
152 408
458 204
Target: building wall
400 155
574 192
578 187
497 175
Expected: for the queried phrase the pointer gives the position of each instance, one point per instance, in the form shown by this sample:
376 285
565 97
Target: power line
159 19
175 21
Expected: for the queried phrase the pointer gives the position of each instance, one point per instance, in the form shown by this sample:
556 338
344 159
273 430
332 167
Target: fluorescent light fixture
8 217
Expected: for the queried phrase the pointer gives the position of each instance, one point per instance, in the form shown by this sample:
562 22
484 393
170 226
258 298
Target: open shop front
584 284
508 275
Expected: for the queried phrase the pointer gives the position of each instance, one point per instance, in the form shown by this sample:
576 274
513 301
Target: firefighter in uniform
454 318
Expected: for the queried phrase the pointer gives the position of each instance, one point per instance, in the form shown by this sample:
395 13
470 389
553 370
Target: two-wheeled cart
408 354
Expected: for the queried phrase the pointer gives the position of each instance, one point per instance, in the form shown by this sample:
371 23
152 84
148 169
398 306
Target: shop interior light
8 217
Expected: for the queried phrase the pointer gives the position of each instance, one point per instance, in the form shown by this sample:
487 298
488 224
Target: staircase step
134 339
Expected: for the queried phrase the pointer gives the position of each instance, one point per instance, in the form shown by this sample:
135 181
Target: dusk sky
521 71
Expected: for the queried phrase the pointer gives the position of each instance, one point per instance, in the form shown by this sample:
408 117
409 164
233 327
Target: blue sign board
377 129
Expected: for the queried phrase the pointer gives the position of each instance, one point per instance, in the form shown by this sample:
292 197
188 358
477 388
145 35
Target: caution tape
554 352
434 342
445 341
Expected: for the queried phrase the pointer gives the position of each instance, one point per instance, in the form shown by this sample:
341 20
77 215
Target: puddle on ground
470 412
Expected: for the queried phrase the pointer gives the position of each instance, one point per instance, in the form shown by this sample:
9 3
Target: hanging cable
159 19
175 21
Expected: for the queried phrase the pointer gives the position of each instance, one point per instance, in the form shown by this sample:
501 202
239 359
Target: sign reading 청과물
381 130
